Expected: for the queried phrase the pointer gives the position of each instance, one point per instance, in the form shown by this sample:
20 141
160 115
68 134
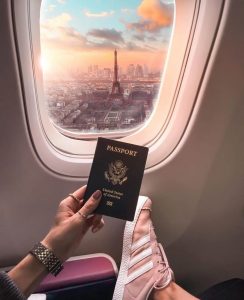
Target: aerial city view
103 79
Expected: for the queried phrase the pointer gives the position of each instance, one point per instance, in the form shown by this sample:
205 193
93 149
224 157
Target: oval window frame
189 51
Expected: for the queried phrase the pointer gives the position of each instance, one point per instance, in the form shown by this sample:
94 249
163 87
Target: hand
71 223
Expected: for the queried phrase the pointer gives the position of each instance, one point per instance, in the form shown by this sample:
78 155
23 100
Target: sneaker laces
167 274
147 208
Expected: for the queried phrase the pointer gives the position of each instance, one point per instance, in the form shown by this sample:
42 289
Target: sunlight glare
45 65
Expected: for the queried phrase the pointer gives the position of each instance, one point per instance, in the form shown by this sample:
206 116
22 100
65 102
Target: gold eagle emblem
116 173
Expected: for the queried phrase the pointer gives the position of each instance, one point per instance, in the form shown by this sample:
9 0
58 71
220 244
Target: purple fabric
78 272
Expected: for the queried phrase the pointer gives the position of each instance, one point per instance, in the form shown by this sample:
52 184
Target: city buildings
100 101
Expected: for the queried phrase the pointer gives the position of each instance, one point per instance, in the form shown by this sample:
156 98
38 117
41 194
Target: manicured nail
90 216
95 229
97 195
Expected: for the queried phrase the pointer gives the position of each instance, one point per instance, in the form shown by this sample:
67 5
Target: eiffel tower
116 92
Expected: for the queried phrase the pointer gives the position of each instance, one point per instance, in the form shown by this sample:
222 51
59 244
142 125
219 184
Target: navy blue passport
117 171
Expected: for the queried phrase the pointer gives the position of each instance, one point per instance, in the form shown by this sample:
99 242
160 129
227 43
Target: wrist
50 243
47 258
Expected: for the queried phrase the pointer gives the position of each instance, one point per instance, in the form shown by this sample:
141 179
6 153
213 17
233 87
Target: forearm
69 228
28 274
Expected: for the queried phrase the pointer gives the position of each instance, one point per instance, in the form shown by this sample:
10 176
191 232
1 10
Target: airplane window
130 70
102 62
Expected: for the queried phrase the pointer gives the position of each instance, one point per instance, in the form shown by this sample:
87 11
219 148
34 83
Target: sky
76 34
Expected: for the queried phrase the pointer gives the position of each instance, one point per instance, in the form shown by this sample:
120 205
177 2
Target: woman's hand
72 221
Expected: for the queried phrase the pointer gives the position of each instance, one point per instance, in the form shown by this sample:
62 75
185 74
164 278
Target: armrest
81 270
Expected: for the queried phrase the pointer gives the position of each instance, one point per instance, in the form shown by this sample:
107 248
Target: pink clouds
154 15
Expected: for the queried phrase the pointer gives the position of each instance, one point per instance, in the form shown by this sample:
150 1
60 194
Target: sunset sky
76 34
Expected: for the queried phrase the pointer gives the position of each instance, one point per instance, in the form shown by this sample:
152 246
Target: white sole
127 243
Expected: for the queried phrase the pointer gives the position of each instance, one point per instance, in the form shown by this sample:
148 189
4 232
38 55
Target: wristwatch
47 258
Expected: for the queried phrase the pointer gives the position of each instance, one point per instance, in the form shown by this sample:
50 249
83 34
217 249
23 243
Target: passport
117 171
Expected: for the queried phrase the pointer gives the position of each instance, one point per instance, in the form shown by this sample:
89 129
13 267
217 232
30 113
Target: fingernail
97 195
95 229
90 216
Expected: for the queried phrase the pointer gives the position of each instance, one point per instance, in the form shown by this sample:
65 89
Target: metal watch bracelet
47 258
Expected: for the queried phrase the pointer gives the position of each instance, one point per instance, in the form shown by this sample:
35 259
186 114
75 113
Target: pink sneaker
144 265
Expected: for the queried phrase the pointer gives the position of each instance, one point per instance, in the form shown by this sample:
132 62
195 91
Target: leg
145 272
171 292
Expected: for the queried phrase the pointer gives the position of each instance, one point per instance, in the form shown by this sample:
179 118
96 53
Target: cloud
126 10
154 15
139 37
56 32
155 11
51 7
59 21
63 39
58 35
132 46
107 34
61 1
104 45
153 39
98 15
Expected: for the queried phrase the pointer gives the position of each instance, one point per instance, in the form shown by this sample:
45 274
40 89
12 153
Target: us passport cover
117 171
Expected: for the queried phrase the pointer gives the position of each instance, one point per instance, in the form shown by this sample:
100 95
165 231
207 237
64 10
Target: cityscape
103 99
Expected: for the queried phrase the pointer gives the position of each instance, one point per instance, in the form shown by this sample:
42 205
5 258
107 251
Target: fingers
91 204
80 192
97 223
75 199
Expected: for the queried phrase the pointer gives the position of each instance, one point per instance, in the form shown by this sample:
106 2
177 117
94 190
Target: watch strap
47 258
